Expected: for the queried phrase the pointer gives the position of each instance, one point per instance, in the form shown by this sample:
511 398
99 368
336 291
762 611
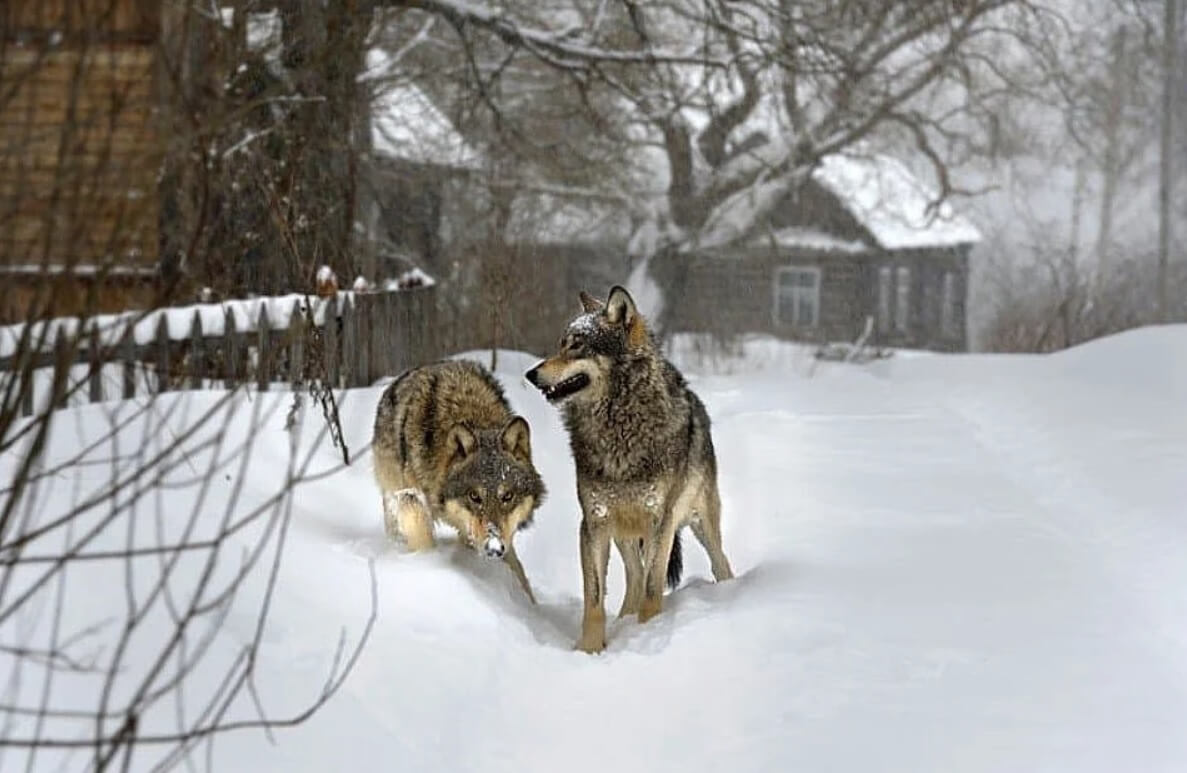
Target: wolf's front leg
595 553
406 515
660 550
632 562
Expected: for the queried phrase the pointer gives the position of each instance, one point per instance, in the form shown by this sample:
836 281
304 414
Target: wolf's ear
459 444
620 306
589 303
517 439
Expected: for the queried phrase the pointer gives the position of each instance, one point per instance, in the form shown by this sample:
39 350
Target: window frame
885 310
902 299
818 278
949 326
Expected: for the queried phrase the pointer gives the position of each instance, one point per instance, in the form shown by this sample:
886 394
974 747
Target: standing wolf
644 456
448 448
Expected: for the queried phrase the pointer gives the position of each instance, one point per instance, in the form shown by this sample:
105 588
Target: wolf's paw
649 609
409 497
591 645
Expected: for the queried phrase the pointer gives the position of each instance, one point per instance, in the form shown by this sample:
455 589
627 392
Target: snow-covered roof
809 239
891 203
880 192
406 125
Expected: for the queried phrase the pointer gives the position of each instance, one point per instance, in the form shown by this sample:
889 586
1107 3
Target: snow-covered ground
945 563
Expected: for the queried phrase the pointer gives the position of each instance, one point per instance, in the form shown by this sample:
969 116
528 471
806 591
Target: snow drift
945 563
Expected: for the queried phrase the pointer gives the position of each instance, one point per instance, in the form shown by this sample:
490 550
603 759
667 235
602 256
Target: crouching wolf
447 448
644 456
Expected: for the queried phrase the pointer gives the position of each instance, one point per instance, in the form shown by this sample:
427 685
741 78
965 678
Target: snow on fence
345 340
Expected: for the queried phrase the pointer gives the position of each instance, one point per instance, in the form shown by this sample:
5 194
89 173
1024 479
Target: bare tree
135 533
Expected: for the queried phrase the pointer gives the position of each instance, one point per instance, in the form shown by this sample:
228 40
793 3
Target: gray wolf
448 448
641 443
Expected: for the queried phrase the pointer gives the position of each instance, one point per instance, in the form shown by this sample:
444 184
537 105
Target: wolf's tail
675 563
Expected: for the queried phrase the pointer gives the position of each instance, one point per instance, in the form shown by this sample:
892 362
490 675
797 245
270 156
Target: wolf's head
602 334
491 485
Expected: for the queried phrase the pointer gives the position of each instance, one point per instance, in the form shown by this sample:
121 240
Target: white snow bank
944 562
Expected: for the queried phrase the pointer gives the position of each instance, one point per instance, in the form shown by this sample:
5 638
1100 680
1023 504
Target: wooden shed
859 241
78 155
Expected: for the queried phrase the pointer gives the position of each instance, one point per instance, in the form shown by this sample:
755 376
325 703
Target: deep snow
946 563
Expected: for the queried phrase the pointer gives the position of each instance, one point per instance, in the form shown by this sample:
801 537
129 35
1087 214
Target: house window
797 296
948 316
885 276
902 299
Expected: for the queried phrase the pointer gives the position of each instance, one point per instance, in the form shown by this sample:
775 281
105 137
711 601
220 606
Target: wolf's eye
475 497
507 497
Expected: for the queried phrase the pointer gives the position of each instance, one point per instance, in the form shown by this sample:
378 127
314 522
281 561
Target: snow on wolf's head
491 485
603 334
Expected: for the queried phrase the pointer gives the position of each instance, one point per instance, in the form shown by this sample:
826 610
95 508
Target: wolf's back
418 409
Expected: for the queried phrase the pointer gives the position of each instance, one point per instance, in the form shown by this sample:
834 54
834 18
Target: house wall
77 167
522 296
924 327
736 294
733 292
78 153
550 278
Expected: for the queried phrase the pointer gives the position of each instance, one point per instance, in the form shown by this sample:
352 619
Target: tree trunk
1170 45
1111 165
324 51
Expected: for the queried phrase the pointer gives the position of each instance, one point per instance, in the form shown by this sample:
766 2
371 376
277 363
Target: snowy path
927 582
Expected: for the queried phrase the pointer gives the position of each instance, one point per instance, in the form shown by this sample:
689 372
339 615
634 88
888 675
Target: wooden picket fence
350 340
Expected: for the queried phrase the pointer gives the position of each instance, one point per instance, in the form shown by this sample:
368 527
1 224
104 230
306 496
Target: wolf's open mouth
562 389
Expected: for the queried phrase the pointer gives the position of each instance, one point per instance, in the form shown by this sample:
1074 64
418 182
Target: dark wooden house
77 154
562 244
857 243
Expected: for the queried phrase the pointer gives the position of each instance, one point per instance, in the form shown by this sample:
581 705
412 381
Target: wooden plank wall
78 148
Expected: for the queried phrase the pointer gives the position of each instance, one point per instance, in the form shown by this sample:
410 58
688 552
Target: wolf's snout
533 376
494 547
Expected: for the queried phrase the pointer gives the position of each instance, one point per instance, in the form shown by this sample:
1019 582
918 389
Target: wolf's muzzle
493 546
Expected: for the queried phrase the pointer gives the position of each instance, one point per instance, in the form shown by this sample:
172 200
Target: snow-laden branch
561 48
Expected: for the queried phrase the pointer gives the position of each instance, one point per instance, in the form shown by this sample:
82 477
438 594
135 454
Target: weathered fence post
263 361
418 327
349 344
429 322
296 331
61 378
95 374
364 322
371 333
391 323
128 358
28 380
163 352
230 350
329 343
197 352
404 356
